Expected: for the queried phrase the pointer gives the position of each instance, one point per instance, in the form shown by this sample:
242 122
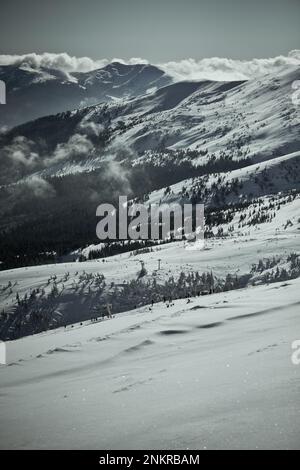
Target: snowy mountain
198 327
36 92
209 137
255 119
220 143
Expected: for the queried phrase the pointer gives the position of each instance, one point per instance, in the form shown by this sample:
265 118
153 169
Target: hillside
206 368
245 245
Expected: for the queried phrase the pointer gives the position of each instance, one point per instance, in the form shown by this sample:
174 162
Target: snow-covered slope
215 373
279 174
255 119
253 244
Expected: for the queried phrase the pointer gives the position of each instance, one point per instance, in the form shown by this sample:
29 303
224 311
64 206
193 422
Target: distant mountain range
32 93
131 129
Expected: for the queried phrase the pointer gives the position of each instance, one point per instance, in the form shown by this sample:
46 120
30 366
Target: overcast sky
157 30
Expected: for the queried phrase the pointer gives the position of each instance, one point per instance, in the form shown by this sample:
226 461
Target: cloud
3 129
114 170
132 61
91 128
63 62
77 146
21 152
38 187
214 68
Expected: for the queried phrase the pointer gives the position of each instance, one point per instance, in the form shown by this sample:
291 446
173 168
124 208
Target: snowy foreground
212 373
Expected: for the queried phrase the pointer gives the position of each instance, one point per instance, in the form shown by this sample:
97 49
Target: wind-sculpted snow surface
214 373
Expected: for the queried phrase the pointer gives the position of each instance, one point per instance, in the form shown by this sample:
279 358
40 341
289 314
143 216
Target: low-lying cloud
38 186
77 146
21 152
63 61
214 68
22 157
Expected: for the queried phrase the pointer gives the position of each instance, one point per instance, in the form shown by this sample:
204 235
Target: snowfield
215 373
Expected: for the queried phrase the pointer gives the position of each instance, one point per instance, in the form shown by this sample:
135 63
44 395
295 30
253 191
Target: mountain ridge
33 93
